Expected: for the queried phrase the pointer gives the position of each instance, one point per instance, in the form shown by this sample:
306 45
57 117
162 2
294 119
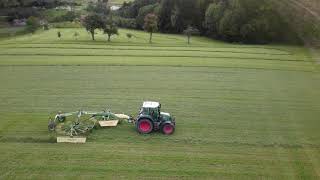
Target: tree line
247 21
20 9
35 3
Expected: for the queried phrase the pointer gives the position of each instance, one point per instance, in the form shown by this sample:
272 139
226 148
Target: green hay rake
83 122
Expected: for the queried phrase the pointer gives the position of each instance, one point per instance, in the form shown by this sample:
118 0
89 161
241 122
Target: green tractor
150 119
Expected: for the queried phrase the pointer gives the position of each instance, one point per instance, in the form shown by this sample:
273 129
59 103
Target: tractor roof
150 104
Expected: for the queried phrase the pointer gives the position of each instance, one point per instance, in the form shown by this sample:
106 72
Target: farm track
311 10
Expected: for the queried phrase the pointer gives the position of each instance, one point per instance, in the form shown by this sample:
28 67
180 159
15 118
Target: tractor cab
151 109
151 118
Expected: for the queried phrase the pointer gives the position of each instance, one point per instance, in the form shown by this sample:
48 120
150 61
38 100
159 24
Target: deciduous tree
92 22
150 24
190 31
33 24
110 27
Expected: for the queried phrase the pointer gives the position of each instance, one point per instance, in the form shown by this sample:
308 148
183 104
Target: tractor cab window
144 111
155 113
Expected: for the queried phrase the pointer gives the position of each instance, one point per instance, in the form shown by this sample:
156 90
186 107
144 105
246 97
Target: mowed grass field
242 111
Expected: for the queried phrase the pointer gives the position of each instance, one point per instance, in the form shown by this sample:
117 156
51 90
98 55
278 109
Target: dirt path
315 54
304 6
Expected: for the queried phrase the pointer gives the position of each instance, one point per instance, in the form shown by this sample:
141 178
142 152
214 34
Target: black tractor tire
167 128
144 126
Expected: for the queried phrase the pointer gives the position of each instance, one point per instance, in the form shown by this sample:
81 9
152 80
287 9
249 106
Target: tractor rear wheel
167 129
144 126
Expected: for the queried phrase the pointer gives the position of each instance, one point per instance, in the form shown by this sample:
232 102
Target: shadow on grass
28 139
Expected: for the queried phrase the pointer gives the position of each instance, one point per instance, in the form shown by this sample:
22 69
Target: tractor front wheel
167 129
144 126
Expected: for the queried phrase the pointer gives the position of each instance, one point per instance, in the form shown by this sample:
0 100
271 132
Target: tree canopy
92 22
247 21
190 31
110 28
150 24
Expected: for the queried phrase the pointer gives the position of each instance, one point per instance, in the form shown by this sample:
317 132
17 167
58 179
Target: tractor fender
164 127
144 117
167 122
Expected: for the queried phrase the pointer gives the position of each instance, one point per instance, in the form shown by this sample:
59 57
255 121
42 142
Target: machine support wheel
61 119
144 126
52 126
167 129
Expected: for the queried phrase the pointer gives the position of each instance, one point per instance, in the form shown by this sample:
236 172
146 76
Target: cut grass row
156 61
244 50
151 54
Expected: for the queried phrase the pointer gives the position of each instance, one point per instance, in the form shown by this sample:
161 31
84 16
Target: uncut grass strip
135 49
27 140
264 145
146 45
103 43
159 65
159 56
154 47
232 99
32 139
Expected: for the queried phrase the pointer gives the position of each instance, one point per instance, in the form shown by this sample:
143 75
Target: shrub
59 34
76 35
129 35
32 24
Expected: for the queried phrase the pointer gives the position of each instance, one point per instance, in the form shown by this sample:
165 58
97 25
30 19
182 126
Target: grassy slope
243 112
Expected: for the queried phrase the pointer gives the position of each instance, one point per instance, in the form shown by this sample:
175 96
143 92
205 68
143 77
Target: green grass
243 111
8 31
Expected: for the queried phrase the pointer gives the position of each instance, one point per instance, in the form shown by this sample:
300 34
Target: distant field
243 111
